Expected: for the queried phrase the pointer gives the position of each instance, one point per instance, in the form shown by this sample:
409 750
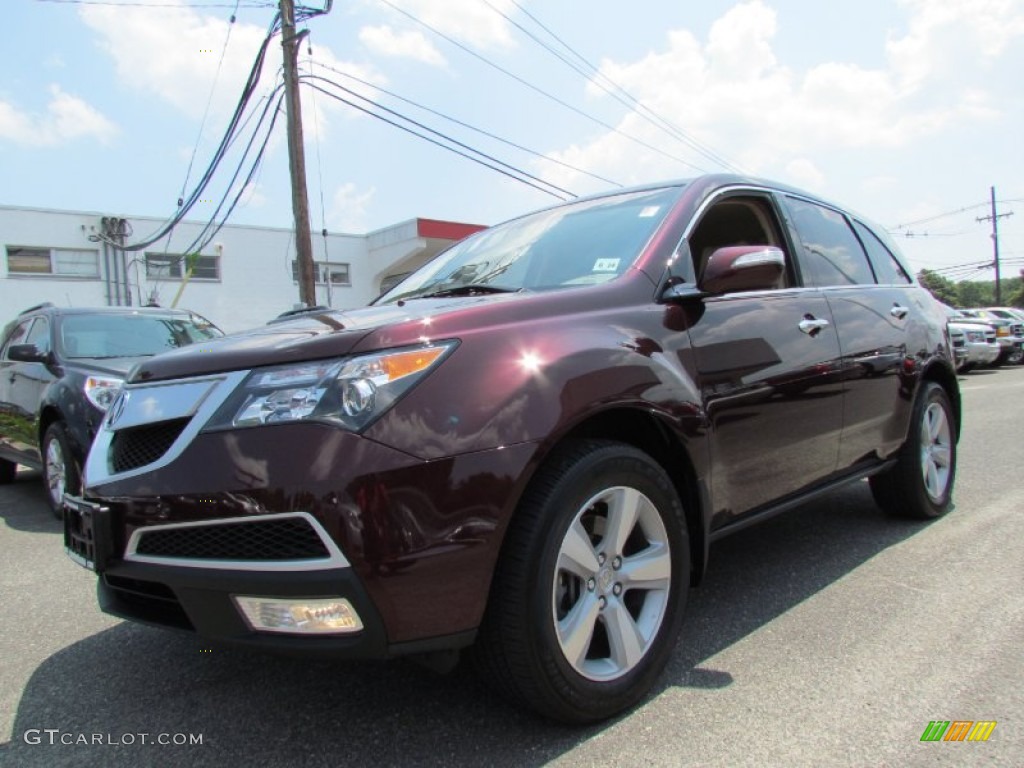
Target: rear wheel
920 485
588 596
8 471
60 471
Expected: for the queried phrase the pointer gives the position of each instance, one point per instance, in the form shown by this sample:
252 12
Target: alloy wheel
611 586
56 471
936 451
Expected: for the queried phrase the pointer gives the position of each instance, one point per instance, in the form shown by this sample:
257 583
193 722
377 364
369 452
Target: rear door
881 326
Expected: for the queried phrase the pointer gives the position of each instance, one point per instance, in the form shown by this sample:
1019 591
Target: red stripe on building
445 230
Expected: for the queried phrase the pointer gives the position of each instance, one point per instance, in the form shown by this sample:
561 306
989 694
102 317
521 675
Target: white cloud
173 52
409 44
804 173
469 21
735 93
942 34
67 118
348 212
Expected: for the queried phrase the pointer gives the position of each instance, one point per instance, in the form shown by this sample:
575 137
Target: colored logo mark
958 730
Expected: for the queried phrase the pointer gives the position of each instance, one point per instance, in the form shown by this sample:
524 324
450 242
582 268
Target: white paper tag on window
650 210
606 265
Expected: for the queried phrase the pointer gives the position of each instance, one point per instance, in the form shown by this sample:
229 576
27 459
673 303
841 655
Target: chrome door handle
898 312
811 325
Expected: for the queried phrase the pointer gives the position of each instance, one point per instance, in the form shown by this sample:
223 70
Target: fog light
299 616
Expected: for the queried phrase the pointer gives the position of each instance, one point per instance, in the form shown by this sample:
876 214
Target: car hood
970 325
105 366
309 337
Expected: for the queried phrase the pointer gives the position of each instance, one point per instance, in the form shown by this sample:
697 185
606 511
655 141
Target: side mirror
26 353
743 268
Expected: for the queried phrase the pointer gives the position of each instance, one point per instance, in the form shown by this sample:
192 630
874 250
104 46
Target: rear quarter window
887 267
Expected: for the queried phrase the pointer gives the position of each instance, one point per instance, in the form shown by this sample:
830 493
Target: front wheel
60 471
588 595
8 471
920 485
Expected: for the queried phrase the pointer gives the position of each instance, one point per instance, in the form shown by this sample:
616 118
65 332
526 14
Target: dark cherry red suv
528 445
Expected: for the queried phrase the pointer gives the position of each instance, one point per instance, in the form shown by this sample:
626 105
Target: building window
164 266
334 271
61 262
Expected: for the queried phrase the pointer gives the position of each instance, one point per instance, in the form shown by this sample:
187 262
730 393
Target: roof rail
44 305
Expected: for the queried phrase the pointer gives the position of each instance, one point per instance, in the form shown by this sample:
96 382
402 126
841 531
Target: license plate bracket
87 532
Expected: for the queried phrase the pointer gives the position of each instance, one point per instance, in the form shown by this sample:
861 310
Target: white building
245 277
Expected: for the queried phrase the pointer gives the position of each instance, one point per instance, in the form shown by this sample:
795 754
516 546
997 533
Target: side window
887 267
832 253
40 335
17 336
748 220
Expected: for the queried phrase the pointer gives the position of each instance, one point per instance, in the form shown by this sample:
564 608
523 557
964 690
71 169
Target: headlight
352 391
102 391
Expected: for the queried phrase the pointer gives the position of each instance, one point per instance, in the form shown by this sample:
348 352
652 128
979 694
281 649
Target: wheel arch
945 378
47 416
646 432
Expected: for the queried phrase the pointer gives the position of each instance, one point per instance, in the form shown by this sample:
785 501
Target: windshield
128 335
578 244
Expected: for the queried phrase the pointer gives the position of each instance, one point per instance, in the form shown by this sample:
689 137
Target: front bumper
200 600
982 353
410 543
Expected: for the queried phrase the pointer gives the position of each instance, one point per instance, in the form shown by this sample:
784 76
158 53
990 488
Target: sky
906 111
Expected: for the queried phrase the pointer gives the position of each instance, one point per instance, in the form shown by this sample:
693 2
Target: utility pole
296 154
994 218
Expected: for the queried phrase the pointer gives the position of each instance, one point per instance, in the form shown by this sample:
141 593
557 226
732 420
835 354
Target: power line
541 91
466 125
225 143
443 136
209 100
211 229
138 4
436 142
938 216
592 73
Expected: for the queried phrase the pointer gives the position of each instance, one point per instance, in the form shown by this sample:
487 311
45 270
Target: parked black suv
61 368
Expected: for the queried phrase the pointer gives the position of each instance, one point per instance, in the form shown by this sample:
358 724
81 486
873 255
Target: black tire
920 485
627 627
60 470
966 367
8 471
1016 357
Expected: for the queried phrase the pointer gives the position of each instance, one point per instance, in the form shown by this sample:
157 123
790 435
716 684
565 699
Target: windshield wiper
469 289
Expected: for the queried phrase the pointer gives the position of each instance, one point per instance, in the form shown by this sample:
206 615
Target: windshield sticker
650 210
606 265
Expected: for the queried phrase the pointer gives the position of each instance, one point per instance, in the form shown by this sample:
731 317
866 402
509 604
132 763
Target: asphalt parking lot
831 635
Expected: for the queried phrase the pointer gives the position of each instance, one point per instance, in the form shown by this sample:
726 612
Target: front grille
138 446
291 538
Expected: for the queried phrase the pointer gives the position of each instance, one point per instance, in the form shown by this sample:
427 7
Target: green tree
976 294
1016 299
942 288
